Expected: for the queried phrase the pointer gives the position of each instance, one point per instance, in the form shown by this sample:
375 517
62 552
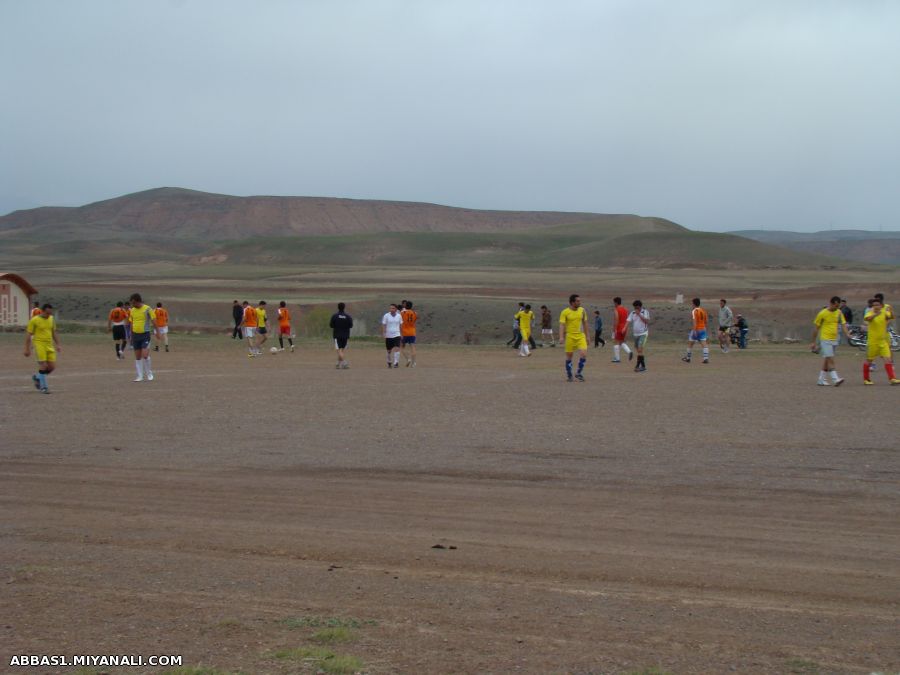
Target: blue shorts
140 340
409 339
697 336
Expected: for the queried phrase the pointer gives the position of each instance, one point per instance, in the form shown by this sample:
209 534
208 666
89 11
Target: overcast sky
716 114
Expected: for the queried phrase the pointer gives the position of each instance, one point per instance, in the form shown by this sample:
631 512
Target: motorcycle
860 338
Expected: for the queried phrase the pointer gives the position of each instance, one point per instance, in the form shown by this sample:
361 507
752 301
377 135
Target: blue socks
42 378
568 368
581 364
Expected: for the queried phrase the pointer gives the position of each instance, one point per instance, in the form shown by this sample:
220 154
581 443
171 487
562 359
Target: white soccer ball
274 350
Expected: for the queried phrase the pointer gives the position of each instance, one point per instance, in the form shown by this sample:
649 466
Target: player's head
341 306
236 302
843 301
879 297
262 303
282 304
409 304
38 305
696 302
118 304
46 309
596 312
543 306
136 297
637 304
723 302
617 301
521 305
393 309
575 301
835 301
159 304
245 304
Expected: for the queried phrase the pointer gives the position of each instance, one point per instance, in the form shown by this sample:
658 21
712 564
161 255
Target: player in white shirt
639 320
390 331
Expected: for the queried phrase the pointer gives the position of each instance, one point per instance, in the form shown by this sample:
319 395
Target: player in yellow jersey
878 343
825 337
525 317
573 334
142 319
41 334
261 327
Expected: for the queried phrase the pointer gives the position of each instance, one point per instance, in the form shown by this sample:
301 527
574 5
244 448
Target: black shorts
261 331
340 342
392 343
140 340
724 329
119 333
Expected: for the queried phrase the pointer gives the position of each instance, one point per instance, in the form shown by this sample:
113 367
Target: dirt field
691 519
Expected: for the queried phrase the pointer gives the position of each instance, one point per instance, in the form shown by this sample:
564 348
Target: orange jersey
118 315
284 317
162 318
250 316
700 318
621 318
35 311
408 319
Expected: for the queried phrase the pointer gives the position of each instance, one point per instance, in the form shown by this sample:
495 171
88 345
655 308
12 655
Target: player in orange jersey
36 310
118 317
620 316
162 326
408 332
248 324
284 326
698 332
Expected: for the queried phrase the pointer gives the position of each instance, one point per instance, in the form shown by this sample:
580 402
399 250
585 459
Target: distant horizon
458 206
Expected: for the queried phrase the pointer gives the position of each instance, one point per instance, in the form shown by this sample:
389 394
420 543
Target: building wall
14 305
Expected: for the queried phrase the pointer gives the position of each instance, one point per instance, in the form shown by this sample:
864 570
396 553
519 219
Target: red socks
866 367
889 369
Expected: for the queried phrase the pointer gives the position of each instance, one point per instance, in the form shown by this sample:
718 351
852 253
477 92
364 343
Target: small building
15 300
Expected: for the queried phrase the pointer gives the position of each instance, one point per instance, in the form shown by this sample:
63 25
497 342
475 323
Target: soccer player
525 317
284 326
621 326
162 326
116 324
261 330
237 315
142 326
390 331
408 332
41 334
639 319
699 319
36 310
598 330
127 308
546 326
825 336
726 320
248 324
573 334
878 344
341 323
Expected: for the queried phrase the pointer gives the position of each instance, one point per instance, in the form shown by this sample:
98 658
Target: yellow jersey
260 317
525 319
141 318
573 320
41 329
828 320
877 326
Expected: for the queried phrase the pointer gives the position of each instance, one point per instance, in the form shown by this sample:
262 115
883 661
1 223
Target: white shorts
163 330
827 348
249 331
546 331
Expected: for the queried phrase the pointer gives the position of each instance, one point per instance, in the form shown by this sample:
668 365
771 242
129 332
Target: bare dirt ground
694 519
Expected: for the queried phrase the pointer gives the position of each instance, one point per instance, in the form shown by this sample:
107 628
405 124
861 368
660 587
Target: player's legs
639 343
705 345
569 375
582 359
690 349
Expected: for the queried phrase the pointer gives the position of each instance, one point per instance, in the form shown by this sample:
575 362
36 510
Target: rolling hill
859 245
202 228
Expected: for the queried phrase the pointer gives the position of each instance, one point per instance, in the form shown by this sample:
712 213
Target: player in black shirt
341 323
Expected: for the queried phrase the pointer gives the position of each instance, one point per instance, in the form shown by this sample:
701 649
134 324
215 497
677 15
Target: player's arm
871 315
56 338
815 335
562 331
27 343
383 328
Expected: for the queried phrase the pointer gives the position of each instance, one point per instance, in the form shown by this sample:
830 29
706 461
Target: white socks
147 368
617 354
139 367
626 348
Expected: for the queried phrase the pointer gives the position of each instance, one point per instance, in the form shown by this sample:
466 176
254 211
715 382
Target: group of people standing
251 324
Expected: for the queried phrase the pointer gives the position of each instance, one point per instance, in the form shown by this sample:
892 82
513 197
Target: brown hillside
176 212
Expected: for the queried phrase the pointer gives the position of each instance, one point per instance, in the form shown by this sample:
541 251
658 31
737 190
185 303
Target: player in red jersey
620 316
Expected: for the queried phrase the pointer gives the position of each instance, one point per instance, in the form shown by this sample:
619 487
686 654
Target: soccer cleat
389 366
823 383
616 361
868 382
150 377
139 378
396 365
569 378
281 349
705 360
346 365
167 347
686 359
408 362
44 390
337 366
579 377
838 382
37 382
414 363
156 349
640 369
292 347
630 355
895 381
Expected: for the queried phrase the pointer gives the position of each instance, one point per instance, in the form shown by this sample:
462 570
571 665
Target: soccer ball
274 350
